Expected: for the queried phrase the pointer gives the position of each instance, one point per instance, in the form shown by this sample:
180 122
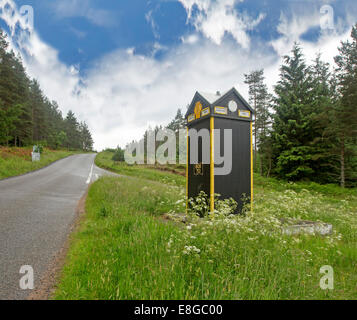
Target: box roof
213 99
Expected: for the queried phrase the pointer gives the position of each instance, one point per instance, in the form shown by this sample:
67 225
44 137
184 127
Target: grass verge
17 161
125 250
163 174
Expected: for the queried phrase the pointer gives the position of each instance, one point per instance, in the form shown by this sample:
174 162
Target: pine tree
72 131
37 111
178 122
26 115
345 115
9 116
260 99
22 132
86 137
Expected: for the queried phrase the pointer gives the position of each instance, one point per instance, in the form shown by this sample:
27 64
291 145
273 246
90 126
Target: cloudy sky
122 65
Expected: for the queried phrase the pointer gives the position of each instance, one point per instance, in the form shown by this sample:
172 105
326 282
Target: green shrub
118 156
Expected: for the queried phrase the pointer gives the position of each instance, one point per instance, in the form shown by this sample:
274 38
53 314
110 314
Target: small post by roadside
36 155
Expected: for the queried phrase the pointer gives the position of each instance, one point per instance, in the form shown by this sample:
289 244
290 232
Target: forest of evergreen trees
27 116
307 129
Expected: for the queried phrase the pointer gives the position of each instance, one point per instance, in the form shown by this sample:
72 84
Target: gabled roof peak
213 97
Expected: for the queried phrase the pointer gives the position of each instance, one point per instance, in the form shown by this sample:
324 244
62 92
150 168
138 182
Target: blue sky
82 31
123 65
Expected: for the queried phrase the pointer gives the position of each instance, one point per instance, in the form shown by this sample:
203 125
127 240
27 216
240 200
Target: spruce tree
292 135
320 115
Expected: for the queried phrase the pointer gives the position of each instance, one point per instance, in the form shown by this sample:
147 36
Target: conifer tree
345 116
259 99
292 151
86 137
178 122
72 131
319 118
26 115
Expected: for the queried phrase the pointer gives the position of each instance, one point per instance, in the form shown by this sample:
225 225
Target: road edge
50 278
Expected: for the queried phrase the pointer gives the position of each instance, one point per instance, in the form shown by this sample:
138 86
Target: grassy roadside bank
126 250
17 161
104 160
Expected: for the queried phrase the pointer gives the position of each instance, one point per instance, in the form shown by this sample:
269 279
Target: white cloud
128 92
216 18
293 28
14 18
150 19
191 39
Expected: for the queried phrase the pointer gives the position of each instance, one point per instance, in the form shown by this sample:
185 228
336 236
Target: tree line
27 116
179 122
307 129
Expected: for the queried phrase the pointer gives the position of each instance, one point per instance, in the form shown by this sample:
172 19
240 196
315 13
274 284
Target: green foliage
344 122
291 127
200 206
179 122
85 137
9 117
260 100
293 163
27 116
314 125
118 155
60 139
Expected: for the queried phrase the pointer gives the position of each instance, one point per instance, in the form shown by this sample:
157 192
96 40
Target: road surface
36 212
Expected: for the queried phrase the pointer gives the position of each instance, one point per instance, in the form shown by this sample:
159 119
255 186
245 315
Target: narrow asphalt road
36 212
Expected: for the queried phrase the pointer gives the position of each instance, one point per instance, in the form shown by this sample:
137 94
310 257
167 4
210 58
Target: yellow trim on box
212 164
251 168
205 113
191 117
187 165
242 115
221 110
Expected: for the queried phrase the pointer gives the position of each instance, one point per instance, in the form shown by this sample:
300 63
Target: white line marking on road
96 176
90 175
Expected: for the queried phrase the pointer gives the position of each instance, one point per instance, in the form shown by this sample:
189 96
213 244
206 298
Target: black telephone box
215 113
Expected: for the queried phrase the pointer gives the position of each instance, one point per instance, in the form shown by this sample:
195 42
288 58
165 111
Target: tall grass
126 250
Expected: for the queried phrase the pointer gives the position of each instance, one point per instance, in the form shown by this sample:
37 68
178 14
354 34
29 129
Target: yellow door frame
251 167
187 165
212 164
